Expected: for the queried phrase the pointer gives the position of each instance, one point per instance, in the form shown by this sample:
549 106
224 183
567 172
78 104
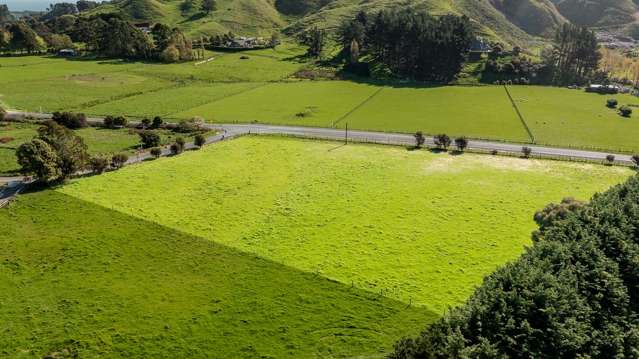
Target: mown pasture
478 112
572 118
266 247
295 103
168 102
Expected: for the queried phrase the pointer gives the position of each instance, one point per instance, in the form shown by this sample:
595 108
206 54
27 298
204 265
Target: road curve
232 130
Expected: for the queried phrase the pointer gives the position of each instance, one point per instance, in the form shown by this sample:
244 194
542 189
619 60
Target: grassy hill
598 12
510 21
537 17
513 24
257 17
497 19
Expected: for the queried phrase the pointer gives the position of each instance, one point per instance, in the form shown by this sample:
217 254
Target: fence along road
233 130
409 140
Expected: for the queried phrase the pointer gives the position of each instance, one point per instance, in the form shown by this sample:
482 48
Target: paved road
408 140
8 192
232 130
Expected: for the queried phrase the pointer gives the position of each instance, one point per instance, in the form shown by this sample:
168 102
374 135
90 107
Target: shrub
108 122
3 114
176 149
145 122
625 111
461 143
156 152
526 151
635 160
119 160
114 122
70 120
189 126
149 139
611 103
98 165
199 140
610 159
419 139
157 122
180 141
494 152
442 141
120 121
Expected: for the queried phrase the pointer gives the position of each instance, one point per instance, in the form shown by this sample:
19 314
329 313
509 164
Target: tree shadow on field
393 83
109 60
437 150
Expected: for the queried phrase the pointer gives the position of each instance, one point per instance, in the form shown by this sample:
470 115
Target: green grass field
266 247
87 281
260 89
167 103
423 221
572 118
479 112
76 92
305 103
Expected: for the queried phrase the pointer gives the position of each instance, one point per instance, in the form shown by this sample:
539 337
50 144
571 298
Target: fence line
521 118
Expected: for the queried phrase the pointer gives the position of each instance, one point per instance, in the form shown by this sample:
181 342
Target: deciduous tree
419 139
461 143
442 141
38 158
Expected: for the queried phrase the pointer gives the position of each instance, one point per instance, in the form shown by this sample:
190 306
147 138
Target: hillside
512 24
510 21
257 17
537 17
598 12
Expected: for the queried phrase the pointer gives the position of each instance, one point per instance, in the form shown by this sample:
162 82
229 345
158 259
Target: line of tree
19 37
574 56
573 294
106 35
410 44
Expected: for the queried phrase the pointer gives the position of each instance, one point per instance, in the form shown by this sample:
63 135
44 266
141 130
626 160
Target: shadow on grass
209 281
437 150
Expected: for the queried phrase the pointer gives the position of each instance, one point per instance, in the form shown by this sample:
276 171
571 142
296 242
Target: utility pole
346 135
